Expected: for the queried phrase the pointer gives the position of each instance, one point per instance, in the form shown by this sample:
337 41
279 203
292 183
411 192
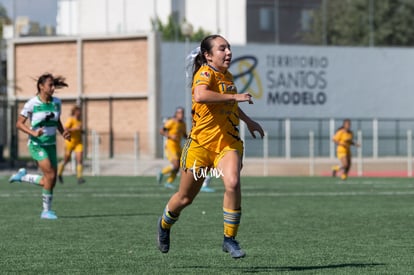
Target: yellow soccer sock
166 169
172 177
79 171
231 221
60 169
335 168
168 219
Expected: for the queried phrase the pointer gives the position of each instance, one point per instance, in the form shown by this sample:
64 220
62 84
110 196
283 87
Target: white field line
220 194
277 194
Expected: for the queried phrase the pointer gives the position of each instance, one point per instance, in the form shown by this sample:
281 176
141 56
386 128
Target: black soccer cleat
163 238
231 246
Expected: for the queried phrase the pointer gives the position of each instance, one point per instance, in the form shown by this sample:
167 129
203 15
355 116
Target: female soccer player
174 130
43 112
343 138
74 126
214 142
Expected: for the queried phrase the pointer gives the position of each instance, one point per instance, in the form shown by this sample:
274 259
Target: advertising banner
314 82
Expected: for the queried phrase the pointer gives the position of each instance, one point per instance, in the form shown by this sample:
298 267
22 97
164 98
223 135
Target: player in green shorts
43 111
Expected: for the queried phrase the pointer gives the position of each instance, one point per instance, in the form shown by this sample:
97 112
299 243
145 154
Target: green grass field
289 225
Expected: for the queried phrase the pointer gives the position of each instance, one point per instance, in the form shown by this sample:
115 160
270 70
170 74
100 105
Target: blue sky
42 11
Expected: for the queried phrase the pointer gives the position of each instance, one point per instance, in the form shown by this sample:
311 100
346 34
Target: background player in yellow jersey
74 126
343 138
174 130
214 143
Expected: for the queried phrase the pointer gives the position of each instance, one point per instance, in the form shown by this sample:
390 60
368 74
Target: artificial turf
307 225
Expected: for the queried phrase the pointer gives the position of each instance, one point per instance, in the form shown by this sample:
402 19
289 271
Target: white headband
189 62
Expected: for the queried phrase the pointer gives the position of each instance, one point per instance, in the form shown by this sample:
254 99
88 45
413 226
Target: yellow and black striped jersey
215 125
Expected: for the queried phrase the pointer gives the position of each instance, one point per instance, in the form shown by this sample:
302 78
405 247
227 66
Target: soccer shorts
39 152
73 147
343 153
198 157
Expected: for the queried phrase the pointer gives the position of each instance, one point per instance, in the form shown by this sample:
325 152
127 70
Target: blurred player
174 130
74 126
206 185
214 143
43 112
343 138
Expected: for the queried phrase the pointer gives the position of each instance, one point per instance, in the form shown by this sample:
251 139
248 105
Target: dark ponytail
58 81
205 47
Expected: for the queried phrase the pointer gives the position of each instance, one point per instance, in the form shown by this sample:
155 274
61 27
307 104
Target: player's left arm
251 124
65 133
356 144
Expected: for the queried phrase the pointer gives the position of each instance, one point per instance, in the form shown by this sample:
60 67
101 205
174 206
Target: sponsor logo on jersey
205 74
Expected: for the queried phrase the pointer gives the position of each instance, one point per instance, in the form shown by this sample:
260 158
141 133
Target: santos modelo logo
247 76
290 80
297 80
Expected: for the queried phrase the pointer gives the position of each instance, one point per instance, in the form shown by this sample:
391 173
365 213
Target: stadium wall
127 84
113 78
308 81
310 87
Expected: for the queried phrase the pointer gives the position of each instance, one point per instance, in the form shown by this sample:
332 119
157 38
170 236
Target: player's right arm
164 131
21 125
70 125
202 94
338 138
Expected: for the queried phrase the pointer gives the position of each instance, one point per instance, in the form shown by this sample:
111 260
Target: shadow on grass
106 215
257 269
316 267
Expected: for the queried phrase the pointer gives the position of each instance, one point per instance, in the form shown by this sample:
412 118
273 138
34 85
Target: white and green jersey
43 115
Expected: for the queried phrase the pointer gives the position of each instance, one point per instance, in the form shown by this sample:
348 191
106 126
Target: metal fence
3 125
285 138
290 137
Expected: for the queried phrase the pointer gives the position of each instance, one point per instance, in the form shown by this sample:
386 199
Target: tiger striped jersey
215 125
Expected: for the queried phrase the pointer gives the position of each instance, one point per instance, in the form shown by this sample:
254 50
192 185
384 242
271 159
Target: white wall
225 17
67 17
90 17
99 17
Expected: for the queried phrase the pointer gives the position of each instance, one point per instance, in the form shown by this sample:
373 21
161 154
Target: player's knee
48 179
232 184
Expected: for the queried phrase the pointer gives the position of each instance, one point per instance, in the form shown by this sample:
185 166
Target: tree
353 22
171 31
4 19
